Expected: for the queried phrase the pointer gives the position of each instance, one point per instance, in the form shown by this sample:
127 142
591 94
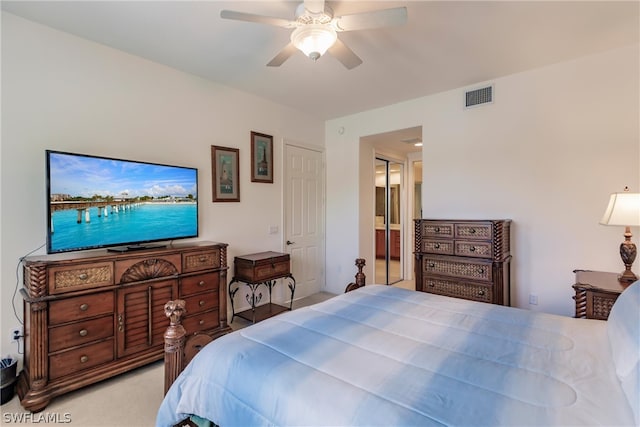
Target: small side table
596 291
263 268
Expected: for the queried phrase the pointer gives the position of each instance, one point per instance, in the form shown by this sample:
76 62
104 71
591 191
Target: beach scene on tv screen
97 202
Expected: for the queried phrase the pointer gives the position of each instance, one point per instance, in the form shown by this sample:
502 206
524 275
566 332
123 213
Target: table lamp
624 209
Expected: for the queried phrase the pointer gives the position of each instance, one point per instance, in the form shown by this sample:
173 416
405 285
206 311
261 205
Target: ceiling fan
315 29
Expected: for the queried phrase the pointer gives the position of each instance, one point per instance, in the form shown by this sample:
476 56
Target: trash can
8 378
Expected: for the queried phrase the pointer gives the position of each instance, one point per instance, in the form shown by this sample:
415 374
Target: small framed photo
261 157
225 171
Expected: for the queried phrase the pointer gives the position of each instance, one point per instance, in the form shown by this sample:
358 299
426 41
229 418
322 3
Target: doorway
402 147
304 217
389 221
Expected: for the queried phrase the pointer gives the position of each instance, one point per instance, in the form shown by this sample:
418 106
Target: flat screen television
100 202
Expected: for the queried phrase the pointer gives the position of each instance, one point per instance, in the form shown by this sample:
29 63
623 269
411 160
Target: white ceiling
445 45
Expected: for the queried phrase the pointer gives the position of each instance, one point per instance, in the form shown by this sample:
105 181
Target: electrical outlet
16 334
533 299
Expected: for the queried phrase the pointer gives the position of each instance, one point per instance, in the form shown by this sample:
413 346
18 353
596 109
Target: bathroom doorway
389 223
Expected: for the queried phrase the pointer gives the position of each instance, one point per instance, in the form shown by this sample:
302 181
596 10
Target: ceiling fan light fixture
314 39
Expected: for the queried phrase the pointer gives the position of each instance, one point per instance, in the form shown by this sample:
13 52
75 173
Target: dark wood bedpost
360 277
174 339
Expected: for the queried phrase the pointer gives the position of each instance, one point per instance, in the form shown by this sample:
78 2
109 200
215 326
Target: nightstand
596 291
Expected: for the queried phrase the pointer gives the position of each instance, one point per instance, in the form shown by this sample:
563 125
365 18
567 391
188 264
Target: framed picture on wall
225 171
261 157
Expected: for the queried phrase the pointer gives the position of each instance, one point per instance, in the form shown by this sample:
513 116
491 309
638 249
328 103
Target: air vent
479 96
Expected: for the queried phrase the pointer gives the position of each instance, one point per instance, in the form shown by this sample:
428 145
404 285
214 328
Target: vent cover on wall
478 96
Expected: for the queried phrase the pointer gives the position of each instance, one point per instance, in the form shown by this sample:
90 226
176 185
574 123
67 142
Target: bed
381 355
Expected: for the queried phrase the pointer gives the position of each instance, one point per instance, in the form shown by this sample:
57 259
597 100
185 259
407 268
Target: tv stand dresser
89 316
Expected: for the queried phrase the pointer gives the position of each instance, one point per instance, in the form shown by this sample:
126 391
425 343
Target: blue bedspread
391 357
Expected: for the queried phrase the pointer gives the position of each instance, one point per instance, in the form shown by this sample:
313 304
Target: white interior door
304 217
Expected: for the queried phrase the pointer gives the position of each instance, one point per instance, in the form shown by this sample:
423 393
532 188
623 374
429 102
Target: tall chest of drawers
93 315
467 259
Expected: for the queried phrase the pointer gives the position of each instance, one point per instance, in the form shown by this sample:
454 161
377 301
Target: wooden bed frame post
360 277
174 339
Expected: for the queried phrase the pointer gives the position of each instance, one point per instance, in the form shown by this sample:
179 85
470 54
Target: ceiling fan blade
345 55
379 18
314 6
261 19
282 56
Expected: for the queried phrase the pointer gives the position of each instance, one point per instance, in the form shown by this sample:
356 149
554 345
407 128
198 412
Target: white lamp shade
623 209
314 39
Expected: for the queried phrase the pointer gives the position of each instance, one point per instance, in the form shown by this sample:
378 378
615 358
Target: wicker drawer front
474 231
67 279
599 304
79 333
82 307
437 229
201 321
269 271
200 283
438 247
203 260
467 270
471 291
202 302
72 361
474 249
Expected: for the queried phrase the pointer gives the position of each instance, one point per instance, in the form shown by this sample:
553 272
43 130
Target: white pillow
623 329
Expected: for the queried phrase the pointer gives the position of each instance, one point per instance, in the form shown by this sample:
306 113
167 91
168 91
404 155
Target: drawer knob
201 283
83 332
202 303
431 284
84 359
481 292
431 265
437 229
83 276
472 231
472 248
437 246
481 270
84 307
201 322
202 258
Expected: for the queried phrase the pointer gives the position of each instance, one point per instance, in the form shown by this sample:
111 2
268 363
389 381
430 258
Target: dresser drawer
200 283
474 249
79 359
260 267
270 271
482 231
84 276
201 260
444 247
455 267
82 307
201 302
437 229
201 321
470 291
79 333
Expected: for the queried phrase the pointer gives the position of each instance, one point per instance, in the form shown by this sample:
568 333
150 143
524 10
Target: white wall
547 154
65 93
